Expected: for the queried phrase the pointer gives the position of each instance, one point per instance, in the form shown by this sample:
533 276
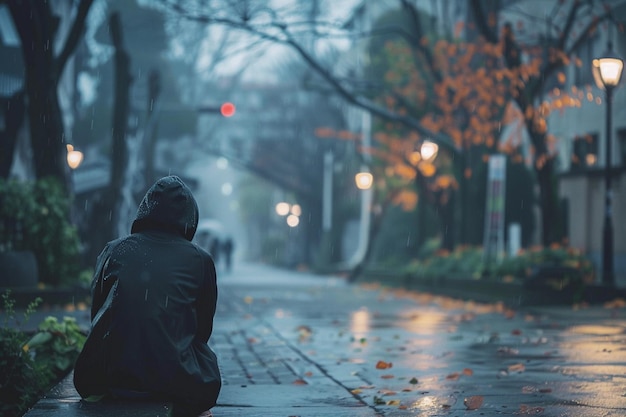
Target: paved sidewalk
295 344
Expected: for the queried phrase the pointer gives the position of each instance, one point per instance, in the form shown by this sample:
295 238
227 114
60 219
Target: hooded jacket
154 295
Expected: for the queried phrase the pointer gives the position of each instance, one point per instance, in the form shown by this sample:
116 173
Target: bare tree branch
75 34
278 32
481 21
419 34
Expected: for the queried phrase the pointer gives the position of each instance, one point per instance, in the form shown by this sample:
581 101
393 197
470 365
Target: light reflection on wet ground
550 361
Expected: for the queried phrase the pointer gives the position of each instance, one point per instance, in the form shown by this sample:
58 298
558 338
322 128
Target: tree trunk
544 168
14 111
154 90
550 219
445 210
37 27
119 154
107 207
41 80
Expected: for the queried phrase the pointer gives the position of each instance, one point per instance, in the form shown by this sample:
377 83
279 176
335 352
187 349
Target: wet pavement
296 344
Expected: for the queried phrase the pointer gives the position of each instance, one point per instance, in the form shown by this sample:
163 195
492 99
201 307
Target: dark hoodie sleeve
99 288
207 301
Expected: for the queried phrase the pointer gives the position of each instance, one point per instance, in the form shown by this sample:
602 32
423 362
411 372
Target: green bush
22 381
521 266
56 345
35 217
464 262
467 262
29 366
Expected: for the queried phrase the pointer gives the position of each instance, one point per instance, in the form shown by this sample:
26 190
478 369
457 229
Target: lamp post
607 72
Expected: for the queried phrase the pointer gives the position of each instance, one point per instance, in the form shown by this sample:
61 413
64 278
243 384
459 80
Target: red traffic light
227 109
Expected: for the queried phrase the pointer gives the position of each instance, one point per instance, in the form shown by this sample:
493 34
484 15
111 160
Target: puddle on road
596 329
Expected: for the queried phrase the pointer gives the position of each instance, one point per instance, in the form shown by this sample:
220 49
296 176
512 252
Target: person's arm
207 301
100 289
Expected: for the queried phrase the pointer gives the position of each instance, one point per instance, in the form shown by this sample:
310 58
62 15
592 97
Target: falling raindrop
146 295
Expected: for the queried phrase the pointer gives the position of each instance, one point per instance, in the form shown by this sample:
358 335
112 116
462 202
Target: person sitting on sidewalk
154 296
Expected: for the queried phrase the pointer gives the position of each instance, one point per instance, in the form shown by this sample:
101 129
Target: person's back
154 298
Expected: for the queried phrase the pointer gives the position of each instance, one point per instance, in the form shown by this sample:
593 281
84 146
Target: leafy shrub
30 366
35 217
22 381
526 261
56 345
467 262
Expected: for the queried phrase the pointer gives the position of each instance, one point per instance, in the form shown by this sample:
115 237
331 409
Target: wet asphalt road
295 344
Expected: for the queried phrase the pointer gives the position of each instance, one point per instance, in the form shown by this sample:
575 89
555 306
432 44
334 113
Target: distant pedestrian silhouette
214 250
227 247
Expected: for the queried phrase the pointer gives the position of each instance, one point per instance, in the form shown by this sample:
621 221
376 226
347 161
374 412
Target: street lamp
607 72
428 151
282 208
74 157
363 180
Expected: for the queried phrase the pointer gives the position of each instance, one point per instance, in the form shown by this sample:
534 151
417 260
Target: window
582 65
584 152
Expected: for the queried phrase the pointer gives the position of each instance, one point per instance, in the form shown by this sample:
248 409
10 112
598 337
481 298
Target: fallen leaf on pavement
468 372
387 376
453 376
305 333
383 365
524 409
518 367
300 382
474 402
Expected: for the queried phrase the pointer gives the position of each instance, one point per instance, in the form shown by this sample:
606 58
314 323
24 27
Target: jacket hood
168 206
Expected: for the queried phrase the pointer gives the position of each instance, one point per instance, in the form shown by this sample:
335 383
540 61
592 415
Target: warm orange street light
74 157
428 151
363 180
282 208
